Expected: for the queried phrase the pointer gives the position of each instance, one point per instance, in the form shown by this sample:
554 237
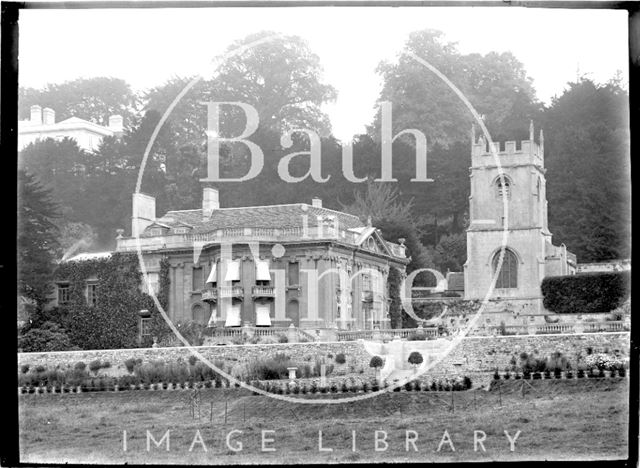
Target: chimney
116 123
49 116
210 201
144 212
316 202
36 115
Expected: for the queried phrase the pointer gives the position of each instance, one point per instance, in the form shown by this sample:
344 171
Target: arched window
503 189
508 275
199 315
538 188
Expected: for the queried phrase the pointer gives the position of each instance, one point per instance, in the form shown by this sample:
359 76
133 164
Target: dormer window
155 232
180 230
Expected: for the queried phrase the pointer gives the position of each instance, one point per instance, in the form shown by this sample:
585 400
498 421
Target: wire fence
207 407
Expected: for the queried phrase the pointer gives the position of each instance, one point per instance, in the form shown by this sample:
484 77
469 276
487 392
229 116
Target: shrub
47 337
95 365
106 365
585 293
40 369
467 382
416 337
496 376
24 368
340 358
344 388
603 361
283 339
80 366
192 360
415 358
376 362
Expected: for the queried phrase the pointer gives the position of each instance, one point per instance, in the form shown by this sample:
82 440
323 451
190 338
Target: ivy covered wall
113 321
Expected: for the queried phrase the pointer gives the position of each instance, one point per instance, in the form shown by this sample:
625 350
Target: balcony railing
210 295
169 241
550 328
389 334
230 291
263 291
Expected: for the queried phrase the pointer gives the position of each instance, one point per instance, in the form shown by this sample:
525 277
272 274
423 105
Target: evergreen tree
37 238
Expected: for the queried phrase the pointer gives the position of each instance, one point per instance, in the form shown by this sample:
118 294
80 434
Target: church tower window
503 189
508 275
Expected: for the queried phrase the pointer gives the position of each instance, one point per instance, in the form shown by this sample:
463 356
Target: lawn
557 419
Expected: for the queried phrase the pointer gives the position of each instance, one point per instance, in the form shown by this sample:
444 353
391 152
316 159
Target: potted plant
415 359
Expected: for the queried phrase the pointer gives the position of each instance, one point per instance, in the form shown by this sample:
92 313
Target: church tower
529 240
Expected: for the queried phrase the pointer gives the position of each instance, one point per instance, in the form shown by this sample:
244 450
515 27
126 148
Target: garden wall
474 354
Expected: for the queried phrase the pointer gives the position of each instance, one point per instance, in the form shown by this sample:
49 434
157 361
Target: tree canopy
93 99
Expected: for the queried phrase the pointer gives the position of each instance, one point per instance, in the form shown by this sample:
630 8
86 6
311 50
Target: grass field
558 419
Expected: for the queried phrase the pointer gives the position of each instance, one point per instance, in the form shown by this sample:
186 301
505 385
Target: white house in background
42 124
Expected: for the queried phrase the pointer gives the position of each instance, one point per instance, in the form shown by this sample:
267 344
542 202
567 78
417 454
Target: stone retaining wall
474 354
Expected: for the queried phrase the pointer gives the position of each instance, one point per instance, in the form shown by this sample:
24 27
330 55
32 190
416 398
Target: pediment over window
371 240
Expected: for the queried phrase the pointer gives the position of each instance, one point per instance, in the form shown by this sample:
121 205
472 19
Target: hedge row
279 388
585 293
546 375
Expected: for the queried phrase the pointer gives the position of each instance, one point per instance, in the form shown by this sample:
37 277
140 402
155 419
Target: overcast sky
147 46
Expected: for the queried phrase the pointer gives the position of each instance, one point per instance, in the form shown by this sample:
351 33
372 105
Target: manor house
275 265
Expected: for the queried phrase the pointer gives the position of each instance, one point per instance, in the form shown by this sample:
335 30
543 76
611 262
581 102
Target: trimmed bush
415 359
376 362
340 358
95 366
586 292
24 368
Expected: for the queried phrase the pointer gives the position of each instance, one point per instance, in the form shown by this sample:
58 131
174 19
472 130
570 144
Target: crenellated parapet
510 152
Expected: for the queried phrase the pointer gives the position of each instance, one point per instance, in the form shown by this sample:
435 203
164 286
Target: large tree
380 203
60 165
37 238
281 78
93 99
495 84
588 170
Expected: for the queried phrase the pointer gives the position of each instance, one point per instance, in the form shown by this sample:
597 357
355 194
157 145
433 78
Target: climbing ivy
158 325
113 321
395 307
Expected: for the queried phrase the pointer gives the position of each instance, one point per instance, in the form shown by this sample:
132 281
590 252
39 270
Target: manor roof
270 216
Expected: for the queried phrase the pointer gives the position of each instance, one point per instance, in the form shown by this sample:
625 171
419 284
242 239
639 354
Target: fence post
225 411
453 406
